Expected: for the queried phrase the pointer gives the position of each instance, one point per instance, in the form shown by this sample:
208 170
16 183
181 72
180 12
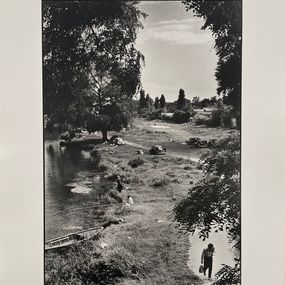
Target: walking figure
207 259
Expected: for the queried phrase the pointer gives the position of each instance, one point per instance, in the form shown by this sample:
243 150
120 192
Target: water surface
73 187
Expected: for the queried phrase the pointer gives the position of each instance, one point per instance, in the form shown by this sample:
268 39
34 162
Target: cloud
184 32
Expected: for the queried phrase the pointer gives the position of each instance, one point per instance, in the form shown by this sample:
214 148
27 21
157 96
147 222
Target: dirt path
177 131
168 153
224 253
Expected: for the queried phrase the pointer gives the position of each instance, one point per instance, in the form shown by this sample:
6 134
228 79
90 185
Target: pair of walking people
207 259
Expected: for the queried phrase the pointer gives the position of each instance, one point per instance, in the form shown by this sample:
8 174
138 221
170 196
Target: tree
156 103
90 62
162 101
112 117
149 101
195 100
214 202
181 102
142 100
213 99
223 18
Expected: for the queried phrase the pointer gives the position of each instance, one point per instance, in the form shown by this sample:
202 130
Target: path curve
171 154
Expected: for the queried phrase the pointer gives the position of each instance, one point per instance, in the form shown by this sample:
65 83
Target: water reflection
73 185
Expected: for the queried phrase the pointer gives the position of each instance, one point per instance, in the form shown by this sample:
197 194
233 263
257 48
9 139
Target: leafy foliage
214 202
223 18
162 101
154 115
142 100
202 121
112 117
180 117
149 101
145 103
181 102
228 275
156 103
89 57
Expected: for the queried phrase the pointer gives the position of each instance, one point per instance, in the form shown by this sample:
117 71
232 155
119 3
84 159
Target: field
147 248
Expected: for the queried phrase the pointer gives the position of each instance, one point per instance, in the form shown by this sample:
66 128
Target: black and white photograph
142 108
142 142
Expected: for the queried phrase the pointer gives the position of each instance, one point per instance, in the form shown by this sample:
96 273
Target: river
73 187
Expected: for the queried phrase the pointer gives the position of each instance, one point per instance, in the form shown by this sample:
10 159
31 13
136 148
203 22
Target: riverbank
147 248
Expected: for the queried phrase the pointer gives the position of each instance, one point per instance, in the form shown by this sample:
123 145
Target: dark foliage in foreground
214 202
223 18
228 275
85 265
89 59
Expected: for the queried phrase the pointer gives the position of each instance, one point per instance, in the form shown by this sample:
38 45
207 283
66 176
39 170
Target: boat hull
72 239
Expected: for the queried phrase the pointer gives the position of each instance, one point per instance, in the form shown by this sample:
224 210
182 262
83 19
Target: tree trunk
104 136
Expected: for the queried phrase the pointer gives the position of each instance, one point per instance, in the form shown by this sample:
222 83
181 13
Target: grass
136 162
160 181
147 248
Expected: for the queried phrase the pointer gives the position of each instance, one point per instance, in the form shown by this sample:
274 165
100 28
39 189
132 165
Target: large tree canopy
223 18
89 58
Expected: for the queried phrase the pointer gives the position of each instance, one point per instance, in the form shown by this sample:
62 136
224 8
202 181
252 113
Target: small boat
73 238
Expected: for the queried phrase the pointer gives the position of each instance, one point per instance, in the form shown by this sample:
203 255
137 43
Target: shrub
159 182
136 162
166 117
202 121
180 117
154 115
221 117
80 267
217 118
116 196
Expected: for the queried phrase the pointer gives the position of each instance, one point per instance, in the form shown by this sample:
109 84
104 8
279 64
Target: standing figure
120 185
207 259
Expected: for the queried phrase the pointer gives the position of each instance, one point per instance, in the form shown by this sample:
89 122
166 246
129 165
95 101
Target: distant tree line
182 107
204 103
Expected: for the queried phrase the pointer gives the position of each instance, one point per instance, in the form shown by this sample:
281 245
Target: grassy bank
146 248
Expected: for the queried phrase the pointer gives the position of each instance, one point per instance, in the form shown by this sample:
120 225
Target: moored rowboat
73 238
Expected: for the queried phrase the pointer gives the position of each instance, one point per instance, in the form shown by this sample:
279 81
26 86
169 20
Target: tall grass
87 265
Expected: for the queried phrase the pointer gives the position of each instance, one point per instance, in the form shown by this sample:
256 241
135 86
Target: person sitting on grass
120 185
130 200
207 259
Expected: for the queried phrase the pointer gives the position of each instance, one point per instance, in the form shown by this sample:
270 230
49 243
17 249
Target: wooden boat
73 238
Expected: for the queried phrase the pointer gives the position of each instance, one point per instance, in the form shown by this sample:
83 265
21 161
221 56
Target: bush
202 121
136 162
216 119
159 182
81 267
166 117
220 117
154 115
180 117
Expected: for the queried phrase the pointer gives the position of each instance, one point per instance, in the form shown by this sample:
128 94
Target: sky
178 54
